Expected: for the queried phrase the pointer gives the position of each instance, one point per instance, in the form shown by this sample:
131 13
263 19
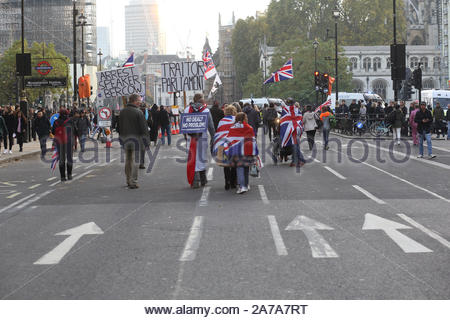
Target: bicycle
380 128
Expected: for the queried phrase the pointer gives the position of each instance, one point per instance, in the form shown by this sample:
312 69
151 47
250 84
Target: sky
185 22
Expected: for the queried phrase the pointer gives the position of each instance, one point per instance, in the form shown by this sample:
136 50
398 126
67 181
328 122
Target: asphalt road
349 229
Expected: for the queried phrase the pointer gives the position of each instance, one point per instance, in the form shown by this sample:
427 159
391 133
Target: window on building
388 63
376 64
414 62
357 85
367 64
428 83
424 62
379 87
437 63
353 63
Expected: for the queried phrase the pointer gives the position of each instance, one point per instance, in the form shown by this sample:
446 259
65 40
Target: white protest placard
182 76
119 82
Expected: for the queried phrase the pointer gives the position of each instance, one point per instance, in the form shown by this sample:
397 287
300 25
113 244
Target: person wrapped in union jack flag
291 130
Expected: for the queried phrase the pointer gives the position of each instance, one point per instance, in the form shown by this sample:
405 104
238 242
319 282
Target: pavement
357 222
30 149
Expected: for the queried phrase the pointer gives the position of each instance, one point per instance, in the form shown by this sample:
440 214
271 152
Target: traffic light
407 90
325 83
317 80
90 92
417 79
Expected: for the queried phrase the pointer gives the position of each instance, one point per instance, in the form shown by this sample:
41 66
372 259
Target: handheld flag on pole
215 87
210 68
326 104
129 62
285 73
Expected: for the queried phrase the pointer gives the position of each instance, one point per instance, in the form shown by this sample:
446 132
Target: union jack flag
222 131
241 141
129 62
326 104
285 73
55 157
210 68
291 126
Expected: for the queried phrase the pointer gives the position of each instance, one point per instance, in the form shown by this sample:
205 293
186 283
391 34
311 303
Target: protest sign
182 76
119 82
193 123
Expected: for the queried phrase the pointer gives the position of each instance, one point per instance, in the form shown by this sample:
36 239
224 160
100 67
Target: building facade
49 21
103 40
142 28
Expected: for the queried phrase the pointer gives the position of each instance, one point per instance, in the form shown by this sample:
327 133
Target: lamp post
100 53
315 46
75 78
82 22
336 15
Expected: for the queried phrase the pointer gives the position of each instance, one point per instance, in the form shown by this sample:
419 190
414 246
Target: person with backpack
397 118
62 130
254 118
310 120
269 116
198 145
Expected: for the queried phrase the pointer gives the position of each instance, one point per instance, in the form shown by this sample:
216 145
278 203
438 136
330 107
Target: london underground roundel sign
43 68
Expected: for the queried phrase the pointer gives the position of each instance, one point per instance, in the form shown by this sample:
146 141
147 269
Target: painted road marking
36 198
74 176
210 174
320 248
34 187
263 194
204 199
75 234
277 238
441 149
408 245
51 179
14 195
193 242
425 230
337 174
17 202
369 195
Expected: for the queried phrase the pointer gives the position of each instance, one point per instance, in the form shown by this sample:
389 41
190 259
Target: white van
260 102
350 96
431 97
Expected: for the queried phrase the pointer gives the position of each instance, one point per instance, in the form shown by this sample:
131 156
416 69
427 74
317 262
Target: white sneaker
10 151
420 156
431 156
248 188
5 152
241 190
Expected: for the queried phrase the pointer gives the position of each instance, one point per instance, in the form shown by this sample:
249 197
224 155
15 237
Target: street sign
104 117
46 83
320 248
43 68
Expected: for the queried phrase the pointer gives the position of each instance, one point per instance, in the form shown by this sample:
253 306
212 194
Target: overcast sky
185 22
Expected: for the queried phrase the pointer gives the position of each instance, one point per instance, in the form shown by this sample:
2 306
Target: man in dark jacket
164 122
133 136
3 130
83 126
438 117
424 120
42 127
269 116
254 119
216 114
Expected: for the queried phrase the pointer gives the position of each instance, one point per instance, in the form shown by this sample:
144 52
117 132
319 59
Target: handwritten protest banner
193 123
119 82
182 76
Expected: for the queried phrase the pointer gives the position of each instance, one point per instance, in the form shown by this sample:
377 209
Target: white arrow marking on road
320 248
75 234
408 245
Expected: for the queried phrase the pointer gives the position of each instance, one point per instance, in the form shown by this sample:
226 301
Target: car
350 96
260 102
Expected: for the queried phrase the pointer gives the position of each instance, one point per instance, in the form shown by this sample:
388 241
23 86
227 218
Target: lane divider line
263 194
51 179
32 200
277 238
17 202
204 199
425 230
193 241
369 195
210 174
337 174
14 195
34 187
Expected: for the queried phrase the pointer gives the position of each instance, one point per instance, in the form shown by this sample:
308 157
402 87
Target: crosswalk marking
277 238
193 242
369 195
425 230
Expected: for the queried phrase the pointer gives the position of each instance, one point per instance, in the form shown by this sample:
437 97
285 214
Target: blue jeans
297 155
326 135
242 176
82 142
448 130
421 139
167 130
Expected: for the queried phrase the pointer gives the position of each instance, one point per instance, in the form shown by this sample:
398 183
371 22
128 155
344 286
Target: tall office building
103 40
142 30
49 21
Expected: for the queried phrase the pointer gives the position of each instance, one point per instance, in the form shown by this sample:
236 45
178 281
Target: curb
367 138
20 156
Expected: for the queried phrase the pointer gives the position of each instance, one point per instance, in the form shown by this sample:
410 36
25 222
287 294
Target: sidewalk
368 136
30 149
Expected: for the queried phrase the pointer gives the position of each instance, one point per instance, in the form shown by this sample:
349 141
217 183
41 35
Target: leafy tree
301 87
9 81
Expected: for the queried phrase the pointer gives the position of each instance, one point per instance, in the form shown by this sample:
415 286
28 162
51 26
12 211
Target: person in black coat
42 127
21 128
424 120
11 124
155 121
83 126
164 122
216 114
254 118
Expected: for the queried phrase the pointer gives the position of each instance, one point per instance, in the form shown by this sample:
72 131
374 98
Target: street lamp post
336 15
82 23
315 46
75 78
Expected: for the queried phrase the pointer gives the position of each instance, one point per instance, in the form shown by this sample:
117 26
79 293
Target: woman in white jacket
310 124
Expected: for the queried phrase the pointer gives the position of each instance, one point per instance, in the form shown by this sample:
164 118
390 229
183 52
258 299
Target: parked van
260 102
431 97
350 96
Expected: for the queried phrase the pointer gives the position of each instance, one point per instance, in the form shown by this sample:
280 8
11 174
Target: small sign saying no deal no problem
193 123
